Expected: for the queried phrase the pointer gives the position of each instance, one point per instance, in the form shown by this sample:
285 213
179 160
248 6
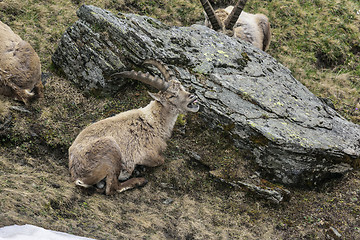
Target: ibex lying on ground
111 148
20 70
235 22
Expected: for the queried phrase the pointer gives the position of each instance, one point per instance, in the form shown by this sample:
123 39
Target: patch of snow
30 232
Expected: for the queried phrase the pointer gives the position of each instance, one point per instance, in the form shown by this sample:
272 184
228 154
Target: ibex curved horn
149 79
234 15
214 20
165 71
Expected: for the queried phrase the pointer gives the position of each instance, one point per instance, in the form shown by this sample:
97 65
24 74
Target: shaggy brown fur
20 70
254 28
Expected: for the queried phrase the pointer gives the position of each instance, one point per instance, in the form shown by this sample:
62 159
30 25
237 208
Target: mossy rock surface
295 137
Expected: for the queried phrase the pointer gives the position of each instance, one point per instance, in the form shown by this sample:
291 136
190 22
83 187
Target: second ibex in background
20 68
111 148
254 28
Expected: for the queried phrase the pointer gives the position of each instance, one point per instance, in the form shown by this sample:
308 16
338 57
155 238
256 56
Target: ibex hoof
101 184
141 182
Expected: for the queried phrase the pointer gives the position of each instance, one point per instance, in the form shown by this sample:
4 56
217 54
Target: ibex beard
110 149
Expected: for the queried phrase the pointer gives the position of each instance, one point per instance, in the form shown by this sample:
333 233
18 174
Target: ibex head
222 20
172 95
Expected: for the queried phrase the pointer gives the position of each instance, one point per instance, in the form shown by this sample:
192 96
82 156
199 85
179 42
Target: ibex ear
155 96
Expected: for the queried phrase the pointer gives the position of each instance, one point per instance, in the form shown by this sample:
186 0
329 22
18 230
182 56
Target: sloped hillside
318 40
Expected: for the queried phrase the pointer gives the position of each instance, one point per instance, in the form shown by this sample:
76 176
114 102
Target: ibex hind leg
100 172
102 161
131 183
104 170
113 184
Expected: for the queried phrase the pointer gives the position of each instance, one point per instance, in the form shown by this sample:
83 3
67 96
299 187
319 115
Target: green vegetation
318 40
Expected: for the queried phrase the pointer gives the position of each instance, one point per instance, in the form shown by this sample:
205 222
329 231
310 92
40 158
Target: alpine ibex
111 148
254 28
20 70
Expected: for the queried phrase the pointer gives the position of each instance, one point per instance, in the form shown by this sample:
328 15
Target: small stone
20 109
168 201
55 185
195 156
332 232
100 184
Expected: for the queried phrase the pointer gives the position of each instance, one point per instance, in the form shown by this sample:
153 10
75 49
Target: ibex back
254 28
111 148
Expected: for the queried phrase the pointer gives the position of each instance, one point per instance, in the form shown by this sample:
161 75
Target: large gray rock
295 137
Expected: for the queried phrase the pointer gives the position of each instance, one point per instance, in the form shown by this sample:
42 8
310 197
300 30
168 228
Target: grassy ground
318 40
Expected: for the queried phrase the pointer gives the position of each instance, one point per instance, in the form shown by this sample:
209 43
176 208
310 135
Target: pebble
334 234
168 201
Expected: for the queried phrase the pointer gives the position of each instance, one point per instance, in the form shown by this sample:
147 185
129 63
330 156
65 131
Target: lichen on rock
295 137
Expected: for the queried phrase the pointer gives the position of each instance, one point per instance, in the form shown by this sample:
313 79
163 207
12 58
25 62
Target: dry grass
319 41
4 108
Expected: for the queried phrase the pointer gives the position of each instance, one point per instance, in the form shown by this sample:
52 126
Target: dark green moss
259 140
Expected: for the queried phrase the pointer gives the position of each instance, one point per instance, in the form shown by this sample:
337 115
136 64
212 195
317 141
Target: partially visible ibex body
254 28
111 148
20 69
